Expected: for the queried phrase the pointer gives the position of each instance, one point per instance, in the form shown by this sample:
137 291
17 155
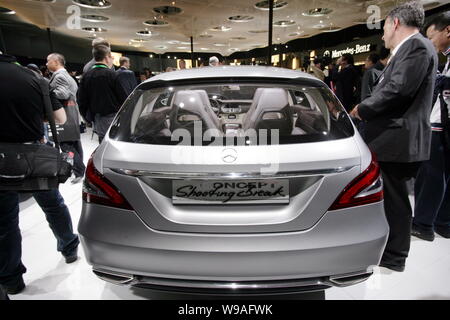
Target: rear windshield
231 113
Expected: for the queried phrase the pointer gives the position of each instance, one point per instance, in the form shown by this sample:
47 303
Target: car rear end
183 195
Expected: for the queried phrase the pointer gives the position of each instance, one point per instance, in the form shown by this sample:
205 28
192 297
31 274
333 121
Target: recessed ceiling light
156 23
94 18
258 31
294 34
257 45
94 29
147 33
204 49
93 4
221 28
187 42
319 26
240 18
264 5
238 38
233 49
6 11
182 48
317 12
168 10
220 44
173 42
284 23
161 47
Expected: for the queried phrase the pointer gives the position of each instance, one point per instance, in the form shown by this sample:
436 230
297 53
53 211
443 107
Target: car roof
231 71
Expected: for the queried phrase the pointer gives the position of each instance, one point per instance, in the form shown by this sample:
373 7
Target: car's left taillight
99 190
365 189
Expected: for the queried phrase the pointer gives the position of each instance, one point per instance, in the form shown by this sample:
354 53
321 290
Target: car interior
228 113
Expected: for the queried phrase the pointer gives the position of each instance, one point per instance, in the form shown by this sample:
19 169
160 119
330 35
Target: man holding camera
22 110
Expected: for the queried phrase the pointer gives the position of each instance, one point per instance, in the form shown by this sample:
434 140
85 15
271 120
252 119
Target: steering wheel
215 103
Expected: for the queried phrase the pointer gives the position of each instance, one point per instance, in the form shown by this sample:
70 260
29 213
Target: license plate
230 192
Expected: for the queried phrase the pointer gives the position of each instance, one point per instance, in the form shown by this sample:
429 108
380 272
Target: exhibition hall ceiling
223 26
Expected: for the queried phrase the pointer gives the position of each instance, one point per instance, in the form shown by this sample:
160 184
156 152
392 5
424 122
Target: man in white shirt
432 187
125 76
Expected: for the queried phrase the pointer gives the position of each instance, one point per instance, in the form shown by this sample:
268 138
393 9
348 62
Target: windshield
251 113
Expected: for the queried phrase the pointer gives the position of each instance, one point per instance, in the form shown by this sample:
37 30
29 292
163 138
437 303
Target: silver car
233 179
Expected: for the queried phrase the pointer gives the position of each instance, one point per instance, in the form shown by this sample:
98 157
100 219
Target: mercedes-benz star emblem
229 155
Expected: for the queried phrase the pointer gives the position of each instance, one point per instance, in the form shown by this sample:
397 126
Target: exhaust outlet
113 277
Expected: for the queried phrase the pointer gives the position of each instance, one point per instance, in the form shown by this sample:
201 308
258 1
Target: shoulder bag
29 167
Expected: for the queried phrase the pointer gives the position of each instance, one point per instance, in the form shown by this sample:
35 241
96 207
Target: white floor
427 274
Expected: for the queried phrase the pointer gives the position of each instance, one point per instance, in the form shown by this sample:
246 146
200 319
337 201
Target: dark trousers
398 210
3 294
77 149
58 217
432 188
102 124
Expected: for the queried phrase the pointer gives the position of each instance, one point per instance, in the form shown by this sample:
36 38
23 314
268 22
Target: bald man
65 88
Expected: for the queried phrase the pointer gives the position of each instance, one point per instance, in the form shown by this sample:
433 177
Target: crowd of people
401 107
349 83
401 102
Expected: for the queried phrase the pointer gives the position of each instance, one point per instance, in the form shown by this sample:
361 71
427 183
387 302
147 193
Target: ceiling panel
216 25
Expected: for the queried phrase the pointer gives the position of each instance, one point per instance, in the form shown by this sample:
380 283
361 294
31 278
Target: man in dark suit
370 75
125 76
346 81
397 121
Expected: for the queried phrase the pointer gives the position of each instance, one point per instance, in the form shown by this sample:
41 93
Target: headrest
272 99
189 100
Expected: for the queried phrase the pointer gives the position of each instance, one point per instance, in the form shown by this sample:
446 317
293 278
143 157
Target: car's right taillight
99 190
365 189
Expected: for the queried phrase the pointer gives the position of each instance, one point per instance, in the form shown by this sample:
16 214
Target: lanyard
99 66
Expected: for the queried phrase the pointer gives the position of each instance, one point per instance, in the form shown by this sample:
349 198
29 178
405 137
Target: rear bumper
344 244
243 287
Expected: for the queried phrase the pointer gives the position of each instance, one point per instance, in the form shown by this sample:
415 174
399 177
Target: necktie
447 66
